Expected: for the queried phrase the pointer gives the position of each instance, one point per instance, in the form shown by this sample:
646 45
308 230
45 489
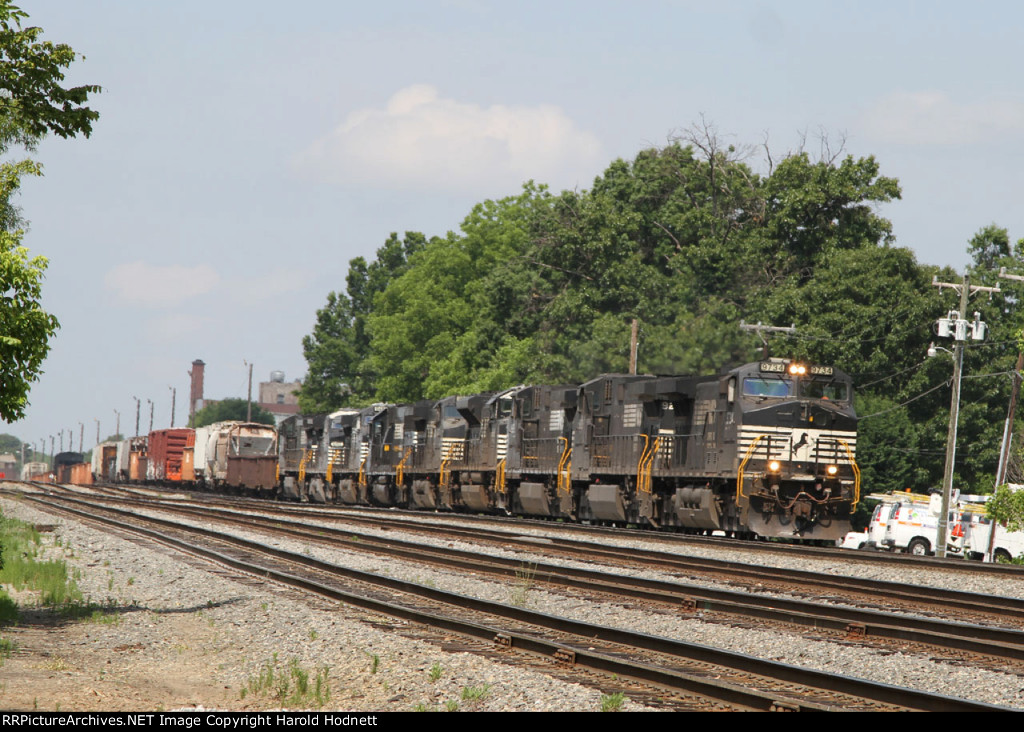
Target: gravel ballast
234 629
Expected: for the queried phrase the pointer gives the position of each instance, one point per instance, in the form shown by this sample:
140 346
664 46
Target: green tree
338 349
230 410
33 103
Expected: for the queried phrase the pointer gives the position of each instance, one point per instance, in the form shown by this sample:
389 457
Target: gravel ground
234 629
187 637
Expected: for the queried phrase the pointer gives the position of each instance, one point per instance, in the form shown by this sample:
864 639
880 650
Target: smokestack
196 395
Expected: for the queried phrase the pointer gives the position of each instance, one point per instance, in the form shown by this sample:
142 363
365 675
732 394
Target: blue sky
247 150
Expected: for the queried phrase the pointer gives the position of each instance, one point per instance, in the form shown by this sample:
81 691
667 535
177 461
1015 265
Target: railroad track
731 679
854 624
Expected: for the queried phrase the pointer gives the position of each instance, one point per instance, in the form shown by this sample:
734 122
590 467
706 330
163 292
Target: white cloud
932 118
420 140
152 285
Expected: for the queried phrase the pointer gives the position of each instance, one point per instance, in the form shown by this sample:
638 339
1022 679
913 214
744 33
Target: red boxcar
165 447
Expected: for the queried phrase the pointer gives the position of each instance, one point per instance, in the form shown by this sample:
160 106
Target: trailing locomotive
764 449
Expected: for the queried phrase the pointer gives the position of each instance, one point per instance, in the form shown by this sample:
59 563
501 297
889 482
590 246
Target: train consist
765 449
240 455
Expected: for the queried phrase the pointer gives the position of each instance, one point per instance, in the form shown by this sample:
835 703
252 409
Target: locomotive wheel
919 547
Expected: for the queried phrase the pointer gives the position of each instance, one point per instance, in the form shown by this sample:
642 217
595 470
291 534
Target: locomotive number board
773 367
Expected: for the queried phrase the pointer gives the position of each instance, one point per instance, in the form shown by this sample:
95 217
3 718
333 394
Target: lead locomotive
765 449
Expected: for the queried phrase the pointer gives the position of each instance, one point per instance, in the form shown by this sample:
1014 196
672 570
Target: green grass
435 672
612 702
292 686
22 569
475 693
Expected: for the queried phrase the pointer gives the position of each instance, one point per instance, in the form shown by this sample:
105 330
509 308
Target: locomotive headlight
797 369
832 470
774 466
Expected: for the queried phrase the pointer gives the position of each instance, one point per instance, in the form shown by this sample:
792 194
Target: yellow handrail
400 468
640 464
743 465
645 487
564 483
499 477
306 457
446 473
362 473
856 472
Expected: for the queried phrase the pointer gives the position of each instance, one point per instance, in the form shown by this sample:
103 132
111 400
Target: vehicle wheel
919 547
1002 556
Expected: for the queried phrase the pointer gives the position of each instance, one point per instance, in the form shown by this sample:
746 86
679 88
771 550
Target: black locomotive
765 449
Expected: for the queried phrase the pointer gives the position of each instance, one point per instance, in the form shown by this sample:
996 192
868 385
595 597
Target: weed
374 662
131 581
7 647
435 672
313 635
263 606
292 686
421 707
451 706
21 570
475 693
57 664
612 702
525 580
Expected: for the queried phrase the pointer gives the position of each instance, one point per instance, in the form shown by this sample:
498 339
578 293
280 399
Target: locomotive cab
796 472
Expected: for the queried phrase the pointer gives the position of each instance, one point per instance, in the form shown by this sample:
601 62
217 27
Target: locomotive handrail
564 465
400 468
499 477
856 472
640 464
743 465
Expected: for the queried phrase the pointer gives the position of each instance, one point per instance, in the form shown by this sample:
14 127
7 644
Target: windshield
767 387
824 390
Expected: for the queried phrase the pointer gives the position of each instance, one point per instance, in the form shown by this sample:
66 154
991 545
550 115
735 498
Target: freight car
765 449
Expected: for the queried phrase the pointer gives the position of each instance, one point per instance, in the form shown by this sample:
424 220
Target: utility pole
117 430
138 404
248 408
174 397
81 436
762 329
634 336
150 402
956 326
97 430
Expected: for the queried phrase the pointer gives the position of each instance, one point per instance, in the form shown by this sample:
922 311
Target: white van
910 523
1009 544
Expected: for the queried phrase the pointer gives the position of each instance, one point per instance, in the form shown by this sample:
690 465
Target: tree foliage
33 103
230 410
689 239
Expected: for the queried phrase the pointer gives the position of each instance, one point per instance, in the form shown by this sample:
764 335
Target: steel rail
828 683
